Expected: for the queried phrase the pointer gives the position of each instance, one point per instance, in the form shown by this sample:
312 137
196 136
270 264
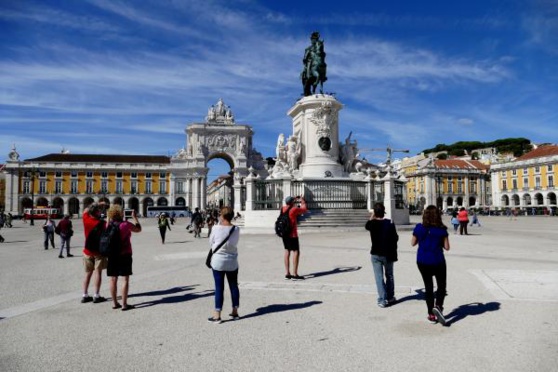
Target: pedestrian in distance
383 235
48 230
93 262
475 219
463 218
197 222
291 242
432 238
163 224
9 219
454 222
224 263
65 230
120 264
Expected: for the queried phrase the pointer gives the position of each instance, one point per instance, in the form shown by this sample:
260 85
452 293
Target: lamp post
32 173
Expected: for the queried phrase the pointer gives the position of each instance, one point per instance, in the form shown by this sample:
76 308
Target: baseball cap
289 199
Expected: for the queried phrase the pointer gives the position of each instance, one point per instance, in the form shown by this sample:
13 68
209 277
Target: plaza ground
502 304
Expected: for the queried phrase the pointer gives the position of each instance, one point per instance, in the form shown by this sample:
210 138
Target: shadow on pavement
277 308
337 270
419 295
475 308
171 299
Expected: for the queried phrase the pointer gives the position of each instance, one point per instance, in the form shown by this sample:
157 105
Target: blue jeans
382 267
232 278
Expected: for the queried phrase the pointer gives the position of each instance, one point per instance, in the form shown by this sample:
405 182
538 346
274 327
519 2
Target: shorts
91 263
291 244
120 266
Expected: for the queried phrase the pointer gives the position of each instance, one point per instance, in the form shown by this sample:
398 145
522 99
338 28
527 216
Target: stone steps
331 218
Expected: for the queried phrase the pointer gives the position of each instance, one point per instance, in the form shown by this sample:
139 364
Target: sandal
117 306
128 307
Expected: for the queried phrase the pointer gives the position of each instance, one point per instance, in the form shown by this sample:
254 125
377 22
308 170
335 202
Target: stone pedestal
316 127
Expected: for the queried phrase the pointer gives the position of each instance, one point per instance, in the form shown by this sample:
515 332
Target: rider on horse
314 71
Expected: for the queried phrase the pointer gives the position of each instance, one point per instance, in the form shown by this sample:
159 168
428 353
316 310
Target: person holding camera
291 242
48 229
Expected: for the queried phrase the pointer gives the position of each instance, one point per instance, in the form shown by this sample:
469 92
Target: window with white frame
104 174
148 175
514 172
525 182
73 187
90 187
550 181
74 174
180 187
58 187
89 174
504 185
118 185
162 187
514 184
134 187
549 168
42 187
537 169
104 187
134 175
118 174
537 182
163 174
57 174
26 187
148 189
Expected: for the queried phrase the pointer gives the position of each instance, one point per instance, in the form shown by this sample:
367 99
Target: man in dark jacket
383 253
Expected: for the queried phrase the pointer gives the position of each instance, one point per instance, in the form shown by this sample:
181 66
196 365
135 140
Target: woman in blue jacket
432 238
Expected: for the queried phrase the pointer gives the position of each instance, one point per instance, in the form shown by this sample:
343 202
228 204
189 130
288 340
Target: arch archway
551 198
73 205
147 202
449 201
539 200
218 137
133 203
515 199
118 200
526 199
472 201
181 202
505 200
459 201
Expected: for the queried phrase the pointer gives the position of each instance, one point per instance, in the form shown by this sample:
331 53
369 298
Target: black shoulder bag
211 251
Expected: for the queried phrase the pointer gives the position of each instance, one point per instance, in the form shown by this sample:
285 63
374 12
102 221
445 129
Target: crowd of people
430 235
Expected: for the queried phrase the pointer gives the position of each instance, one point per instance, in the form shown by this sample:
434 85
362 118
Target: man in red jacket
93 262
291 242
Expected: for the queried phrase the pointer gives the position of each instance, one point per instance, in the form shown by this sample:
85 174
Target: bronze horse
314 71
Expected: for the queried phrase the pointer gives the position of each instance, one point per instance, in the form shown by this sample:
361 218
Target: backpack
110 242
94 237
283 224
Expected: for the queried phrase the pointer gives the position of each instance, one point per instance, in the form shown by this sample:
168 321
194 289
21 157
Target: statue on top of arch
220 114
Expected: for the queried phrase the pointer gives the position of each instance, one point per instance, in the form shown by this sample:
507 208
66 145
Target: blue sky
127 76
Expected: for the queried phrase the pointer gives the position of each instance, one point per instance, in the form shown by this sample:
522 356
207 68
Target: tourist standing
224 263
65 230
463 218
93 262
48 229
432 238
383 253
120 264
291 242
197 222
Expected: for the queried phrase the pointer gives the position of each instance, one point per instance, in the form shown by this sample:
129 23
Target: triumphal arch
218 136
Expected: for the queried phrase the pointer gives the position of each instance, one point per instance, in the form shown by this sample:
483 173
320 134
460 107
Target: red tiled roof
460 164
96 158
541 151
